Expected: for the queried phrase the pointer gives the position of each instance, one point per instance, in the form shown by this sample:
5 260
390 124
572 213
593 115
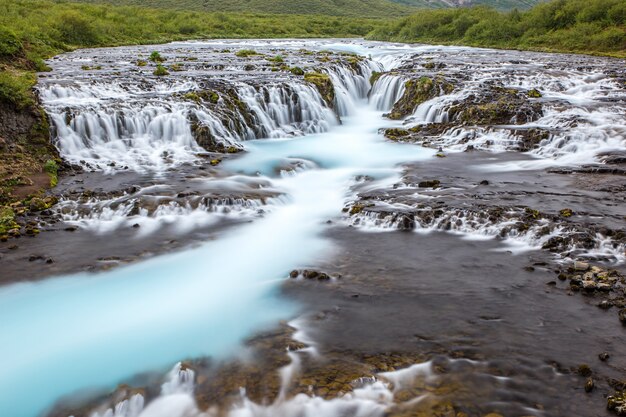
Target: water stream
82 331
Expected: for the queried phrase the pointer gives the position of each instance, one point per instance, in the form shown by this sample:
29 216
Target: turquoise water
94 330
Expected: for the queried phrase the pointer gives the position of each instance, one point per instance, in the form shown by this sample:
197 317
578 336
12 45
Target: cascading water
299 169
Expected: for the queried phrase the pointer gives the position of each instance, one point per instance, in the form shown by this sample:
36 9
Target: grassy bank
580 26
351 8
32 30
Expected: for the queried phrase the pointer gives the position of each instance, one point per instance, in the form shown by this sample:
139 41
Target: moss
177 67
141 63
535 214
215 162
199 96
375 76
7 220
566 212
233 149
534 93
161 71
296 71
396 133
244 53
356 209
416 92
323 84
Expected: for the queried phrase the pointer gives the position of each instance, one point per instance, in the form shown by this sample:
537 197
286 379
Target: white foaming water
183 305
386 91
86 330
372 398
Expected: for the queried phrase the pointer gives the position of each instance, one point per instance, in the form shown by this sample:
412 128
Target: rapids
304 158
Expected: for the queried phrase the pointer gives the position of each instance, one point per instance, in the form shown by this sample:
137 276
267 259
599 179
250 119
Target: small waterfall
287 109
351 86
386 91
110 127
180 383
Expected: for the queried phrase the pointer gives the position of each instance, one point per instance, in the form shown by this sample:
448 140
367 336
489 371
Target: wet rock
310 274
584 370
416 92
294 274
324 85
622 316
496 106
589 385
617 403
581 266
37 204
604 356
429 184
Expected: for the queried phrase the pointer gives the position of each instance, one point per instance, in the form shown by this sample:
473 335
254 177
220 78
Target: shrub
160 71
10 44
75 29
16 88
155 56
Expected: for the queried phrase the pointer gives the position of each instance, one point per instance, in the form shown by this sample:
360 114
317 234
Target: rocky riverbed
449 223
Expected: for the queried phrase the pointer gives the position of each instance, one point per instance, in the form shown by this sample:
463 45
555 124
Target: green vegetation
348 8
244 53
582 26
155 56
16 88
496 4
52 169
33 30
161 71
277 59
323 84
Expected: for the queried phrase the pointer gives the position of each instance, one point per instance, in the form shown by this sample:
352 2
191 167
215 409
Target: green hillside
496 4
582 26
350 8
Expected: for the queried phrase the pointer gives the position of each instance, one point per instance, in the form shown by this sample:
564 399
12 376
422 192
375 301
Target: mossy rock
7 220
496 106
160 71
296 71
534 93
323 84
244 53
416 92
375 76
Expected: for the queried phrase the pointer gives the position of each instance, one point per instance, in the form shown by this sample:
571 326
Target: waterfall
287 110
386 91
125 127
351 86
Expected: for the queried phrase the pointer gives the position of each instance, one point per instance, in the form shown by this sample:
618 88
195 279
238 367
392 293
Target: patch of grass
16 88
52 169
161 71
244 53
155 56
